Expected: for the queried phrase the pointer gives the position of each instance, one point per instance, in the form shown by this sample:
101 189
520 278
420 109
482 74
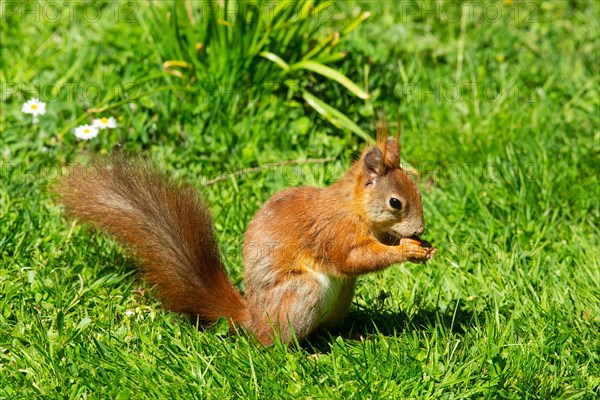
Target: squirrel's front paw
430 249
415 250
431 252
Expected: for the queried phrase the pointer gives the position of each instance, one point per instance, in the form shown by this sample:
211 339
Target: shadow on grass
363 324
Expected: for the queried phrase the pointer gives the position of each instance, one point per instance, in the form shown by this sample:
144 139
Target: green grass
501 117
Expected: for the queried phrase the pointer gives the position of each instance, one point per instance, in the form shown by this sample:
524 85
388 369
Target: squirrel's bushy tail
168 227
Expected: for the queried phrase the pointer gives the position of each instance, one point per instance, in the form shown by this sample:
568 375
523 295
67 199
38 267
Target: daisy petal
86 132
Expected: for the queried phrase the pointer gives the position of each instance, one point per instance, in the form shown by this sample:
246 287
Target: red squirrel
303 250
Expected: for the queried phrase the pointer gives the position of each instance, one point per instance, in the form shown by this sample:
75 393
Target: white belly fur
331 288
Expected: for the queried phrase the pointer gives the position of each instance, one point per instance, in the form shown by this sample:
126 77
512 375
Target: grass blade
333 75
334 116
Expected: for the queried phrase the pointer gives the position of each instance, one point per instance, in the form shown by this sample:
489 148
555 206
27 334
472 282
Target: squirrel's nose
420 230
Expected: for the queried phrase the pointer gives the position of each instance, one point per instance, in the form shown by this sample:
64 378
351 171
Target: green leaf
124 395
60 322
83 324
276 59
318 48
334 116
333 75
355 23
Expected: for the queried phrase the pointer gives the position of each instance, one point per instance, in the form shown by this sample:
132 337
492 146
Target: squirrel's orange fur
303 250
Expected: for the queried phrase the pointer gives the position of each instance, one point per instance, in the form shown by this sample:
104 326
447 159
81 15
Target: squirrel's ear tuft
372 165
392 154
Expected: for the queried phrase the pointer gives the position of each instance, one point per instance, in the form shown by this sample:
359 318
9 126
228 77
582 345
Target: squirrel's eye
395 203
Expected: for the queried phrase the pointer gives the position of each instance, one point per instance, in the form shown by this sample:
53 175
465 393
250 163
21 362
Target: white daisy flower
103 123
34 107
86 132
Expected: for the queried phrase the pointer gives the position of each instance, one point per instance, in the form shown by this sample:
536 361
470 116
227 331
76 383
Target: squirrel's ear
392 154
372 164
